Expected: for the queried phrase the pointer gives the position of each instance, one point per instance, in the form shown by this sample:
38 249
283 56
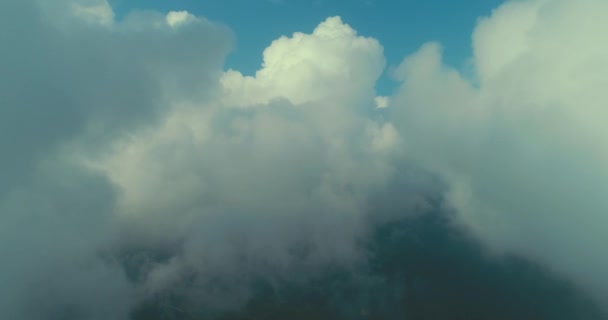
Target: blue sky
400 26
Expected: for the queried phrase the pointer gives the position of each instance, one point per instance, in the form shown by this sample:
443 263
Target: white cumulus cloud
332 63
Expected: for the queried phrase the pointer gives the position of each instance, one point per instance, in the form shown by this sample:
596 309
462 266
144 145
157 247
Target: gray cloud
68 85
522 148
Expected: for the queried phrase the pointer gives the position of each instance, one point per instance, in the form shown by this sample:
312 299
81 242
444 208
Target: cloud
381 102
140 176
522 147
272 167
68 87
122 142
175 18
332 63
100 12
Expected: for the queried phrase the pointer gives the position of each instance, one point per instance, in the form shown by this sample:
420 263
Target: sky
176 160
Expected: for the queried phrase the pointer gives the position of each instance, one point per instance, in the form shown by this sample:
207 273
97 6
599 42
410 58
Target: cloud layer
136 171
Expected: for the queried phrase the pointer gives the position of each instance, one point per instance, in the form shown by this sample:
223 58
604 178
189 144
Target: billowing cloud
278 164
138 176
69 85
522 147
122 141
331 63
